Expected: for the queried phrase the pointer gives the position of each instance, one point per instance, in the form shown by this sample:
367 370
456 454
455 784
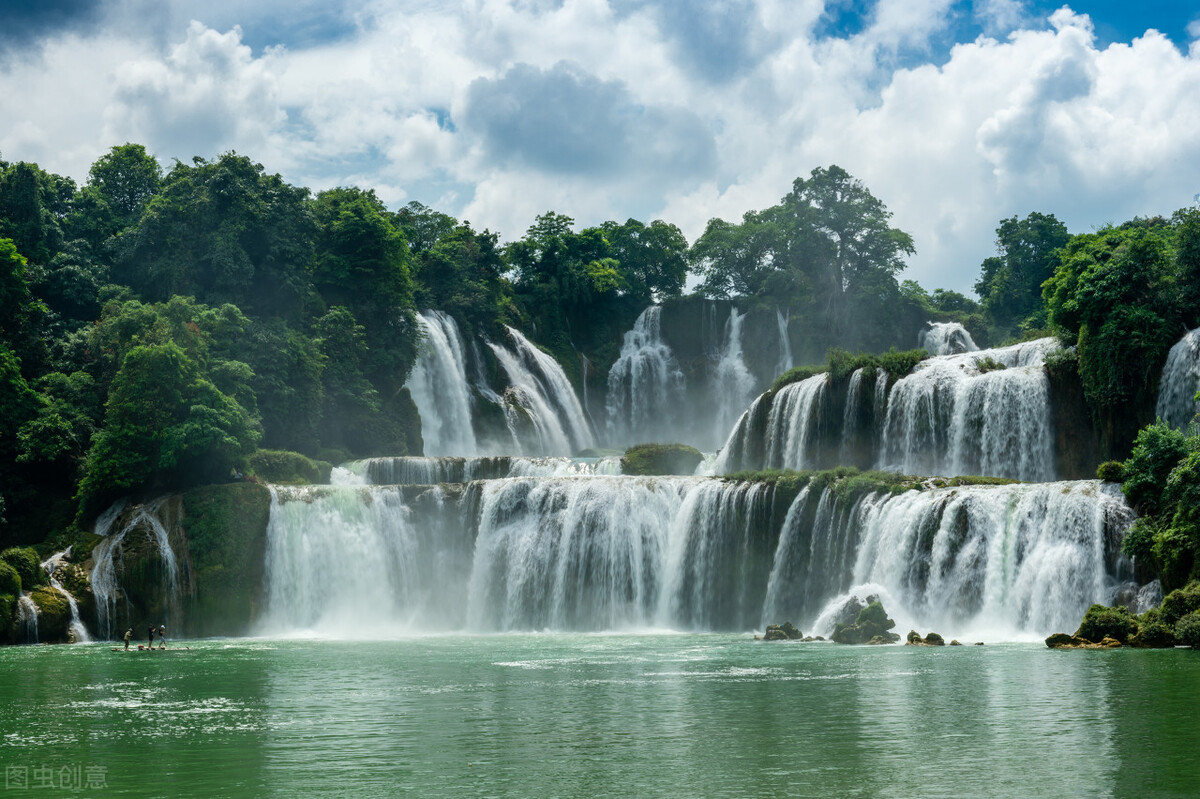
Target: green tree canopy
1010 284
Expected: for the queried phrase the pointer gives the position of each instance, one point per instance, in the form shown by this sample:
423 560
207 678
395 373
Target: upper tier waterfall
606 553
645 386
541 397
439 388
946 338
985 412
1177 404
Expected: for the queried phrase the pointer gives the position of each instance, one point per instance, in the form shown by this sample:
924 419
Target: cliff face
208 581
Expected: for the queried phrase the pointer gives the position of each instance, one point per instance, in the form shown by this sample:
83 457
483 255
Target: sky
955 113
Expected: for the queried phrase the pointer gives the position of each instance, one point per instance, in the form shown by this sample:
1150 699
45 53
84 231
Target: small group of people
162 637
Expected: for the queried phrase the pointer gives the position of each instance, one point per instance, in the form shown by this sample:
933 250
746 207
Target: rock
955 642
978 643
1064 641
871 623
849 611
782 632
933 639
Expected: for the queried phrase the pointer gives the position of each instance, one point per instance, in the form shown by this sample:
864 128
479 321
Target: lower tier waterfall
686 553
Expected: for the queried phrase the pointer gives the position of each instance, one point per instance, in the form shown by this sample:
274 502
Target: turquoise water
600 716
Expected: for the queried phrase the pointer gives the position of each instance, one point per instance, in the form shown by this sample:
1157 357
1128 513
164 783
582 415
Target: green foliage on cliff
25 561
652 459
1102 622
282 467
10 580
226 531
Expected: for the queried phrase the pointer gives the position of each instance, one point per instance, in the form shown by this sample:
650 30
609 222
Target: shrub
1180 603
1187 630
651 459
989 364
10 581
27 563
281 466
1111 471
1101 622
795 375
1156 451
1138 543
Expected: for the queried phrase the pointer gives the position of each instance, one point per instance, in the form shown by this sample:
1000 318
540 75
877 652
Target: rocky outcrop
782 632
1064 641
933 639
871 626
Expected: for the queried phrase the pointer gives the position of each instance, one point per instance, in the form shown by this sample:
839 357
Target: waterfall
1180 382
785 440
953 416
77 630
733 385
946 338
785 344
27 619
439 388
687 553
540 393
645 386
107 554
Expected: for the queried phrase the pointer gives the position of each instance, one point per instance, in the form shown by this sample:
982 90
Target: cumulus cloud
497 110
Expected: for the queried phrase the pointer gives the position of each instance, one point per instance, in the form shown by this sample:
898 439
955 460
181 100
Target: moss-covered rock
27 563
1102 622
288 468
783 632
10 580
1111 471
933 639
1064 641
871 627
1153 634
226 528
652 459
54 614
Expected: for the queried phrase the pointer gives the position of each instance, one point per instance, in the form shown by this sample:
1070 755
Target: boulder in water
1064 641
871 626
933 639
782 632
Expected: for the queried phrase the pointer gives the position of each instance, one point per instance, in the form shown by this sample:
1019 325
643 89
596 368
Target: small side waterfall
541 395
785 344
1180 382
733 385
108 555
645 385
77 631
984 412
27 619
439 388
946 338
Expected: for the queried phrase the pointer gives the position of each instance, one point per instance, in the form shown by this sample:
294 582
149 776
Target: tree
1010 284
221 231
651 260
125 177
166 426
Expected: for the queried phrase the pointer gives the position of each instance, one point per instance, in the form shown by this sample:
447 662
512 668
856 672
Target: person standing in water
162 636
150 643
128 637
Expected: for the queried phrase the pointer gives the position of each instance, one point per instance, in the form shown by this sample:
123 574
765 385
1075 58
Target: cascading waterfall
540 392
77 631
645 385
1180 382
785 440
439 388
946 338
950 416
733 384
604 553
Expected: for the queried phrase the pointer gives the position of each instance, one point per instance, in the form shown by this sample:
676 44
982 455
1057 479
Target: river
598 715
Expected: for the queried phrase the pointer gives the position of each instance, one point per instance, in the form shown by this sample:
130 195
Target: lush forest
161 329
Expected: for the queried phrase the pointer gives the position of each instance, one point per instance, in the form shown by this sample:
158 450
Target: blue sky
956 113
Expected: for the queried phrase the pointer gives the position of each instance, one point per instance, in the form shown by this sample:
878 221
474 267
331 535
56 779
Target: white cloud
1040 119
